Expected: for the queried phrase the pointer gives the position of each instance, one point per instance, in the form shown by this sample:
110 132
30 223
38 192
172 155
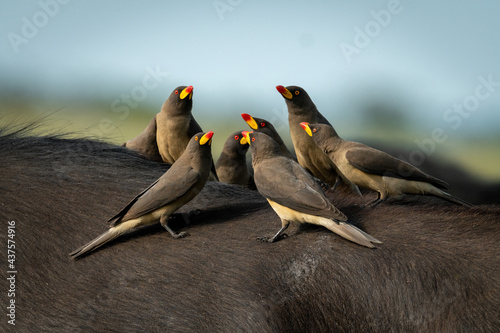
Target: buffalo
438 269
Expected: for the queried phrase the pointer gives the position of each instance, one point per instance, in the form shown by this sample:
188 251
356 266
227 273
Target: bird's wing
172 185
214 171
115 219
288 184
377 162
194 128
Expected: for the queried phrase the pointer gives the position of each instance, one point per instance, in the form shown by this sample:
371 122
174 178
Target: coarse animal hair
437 270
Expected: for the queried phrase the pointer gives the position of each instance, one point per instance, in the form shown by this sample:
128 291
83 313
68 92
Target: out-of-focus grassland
479 156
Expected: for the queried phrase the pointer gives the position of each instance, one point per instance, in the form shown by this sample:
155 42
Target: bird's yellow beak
306 128
250 121
246 135
188 91
243 141
285 92
207 137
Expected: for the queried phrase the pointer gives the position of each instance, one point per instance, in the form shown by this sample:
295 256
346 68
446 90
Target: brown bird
175 125
179 185
375 170
264 126
145 143
294 194
232 163
301 108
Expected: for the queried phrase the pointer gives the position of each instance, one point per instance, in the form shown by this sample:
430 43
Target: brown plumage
145 143
175 125
232 163
294 194
375 170
264 126
301 108
180 184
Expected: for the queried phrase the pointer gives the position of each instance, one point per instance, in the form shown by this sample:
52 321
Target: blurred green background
389 72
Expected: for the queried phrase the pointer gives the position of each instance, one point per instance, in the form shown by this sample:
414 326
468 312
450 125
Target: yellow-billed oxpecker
294 194
301 108
264 126
180 184
171 129
232 163
374 169
145 143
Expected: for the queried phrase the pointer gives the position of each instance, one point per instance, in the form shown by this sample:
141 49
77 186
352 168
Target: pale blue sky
427 57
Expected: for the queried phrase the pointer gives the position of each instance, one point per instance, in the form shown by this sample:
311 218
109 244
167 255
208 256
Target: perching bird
294 194
375 170
264 126
181 183
301 108
175 125
232 163
145 143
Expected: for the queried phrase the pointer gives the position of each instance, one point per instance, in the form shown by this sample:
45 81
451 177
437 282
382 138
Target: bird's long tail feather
97 242
350 232
450 198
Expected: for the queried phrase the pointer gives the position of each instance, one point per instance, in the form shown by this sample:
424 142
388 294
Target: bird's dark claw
265 239
272 239
181 234
374 203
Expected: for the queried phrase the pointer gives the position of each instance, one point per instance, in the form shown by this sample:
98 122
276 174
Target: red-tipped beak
305 126
249 120
246 134
246 116
285 92
187 92
209 134
281 89
206 138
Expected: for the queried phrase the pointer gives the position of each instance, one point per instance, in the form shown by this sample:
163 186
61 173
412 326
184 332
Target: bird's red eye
195 138
314 130
297 92
262 124
253 139
236 137
177 92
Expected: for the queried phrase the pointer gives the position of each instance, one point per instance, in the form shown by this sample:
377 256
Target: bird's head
259 125
320 133
295 96
198 153
180 100
237 143
262 146
203 139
